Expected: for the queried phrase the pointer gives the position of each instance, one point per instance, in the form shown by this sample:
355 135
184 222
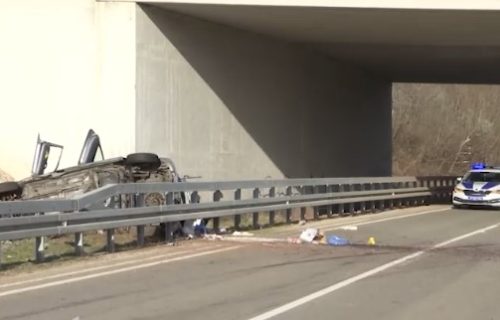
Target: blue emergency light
478 165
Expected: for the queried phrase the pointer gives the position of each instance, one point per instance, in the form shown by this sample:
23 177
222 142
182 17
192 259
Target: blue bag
334 240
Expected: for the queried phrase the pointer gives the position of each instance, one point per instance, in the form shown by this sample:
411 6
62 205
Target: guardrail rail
92 211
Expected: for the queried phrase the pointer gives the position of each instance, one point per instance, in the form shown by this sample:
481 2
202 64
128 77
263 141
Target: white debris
242 234
349 228
308 235
213 237
302 222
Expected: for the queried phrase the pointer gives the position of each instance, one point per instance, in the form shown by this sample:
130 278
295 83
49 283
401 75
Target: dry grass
21 253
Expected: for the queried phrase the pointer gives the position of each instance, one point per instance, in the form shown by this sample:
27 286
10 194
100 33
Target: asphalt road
430 263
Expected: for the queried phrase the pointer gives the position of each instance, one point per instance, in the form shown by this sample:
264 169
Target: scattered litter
349 228
222 230
302 222
371 241
311 235
242 234
334 240
293 240
199 227
213 237
308 235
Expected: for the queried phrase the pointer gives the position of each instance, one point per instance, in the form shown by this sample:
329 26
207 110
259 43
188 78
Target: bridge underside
400 44
251 91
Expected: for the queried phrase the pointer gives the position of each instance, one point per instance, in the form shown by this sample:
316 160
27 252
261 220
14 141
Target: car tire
10 188
145 161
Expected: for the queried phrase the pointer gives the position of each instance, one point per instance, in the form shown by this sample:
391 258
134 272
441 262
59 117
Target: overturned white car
89 174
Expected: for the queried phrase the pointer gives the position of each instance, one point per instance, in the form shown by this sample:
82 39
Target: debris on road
242 234
371 241
293 240
199 227
213 237
334 240
349 228
309 234
312 235
302 222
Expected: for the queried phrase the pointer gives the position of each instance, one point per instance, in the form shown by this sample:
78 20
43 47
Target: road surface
429 263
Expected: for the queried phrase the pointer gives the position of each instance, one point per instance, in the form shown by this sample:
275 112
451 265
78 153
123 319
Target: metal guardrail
329 196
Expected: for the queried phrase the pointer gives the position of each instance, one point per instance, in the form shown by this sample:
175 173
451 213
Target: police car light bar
478 165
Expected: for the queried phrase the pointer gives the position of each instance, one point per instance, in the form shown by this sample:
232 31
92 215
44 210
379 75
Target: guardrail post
289 211
255 217
373 207
1 255
110 240
137 200
79 250
433 186
169 228
416 199
329 208
216 221
237 218
399 201
362 205
272 194
407 200
303 190
351 205
140 236
341 205
315 190
391 201
39 249
381 203
425 184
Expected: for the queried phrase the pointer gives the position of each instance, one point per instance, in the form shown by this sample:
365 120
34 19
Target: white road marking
390 218
318 294
115 271
107 266
253 239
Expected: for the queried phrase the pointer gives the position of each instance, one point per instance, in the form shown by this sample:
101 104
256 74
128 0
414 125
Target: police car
479 187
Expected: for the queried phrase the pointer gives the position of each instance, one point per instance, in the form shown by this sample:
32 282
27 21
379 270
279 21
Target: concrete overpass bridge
233 89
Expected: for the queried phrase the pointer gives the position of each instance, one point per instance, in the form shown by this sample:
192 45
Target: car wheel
145 161
8 189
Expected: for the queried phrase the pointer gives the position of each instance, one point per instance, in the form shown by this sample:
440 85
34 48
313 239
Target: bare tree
440 129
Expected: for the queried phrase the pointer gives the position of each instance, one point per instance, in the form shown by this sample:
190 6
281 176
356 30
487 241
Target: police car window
483 176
